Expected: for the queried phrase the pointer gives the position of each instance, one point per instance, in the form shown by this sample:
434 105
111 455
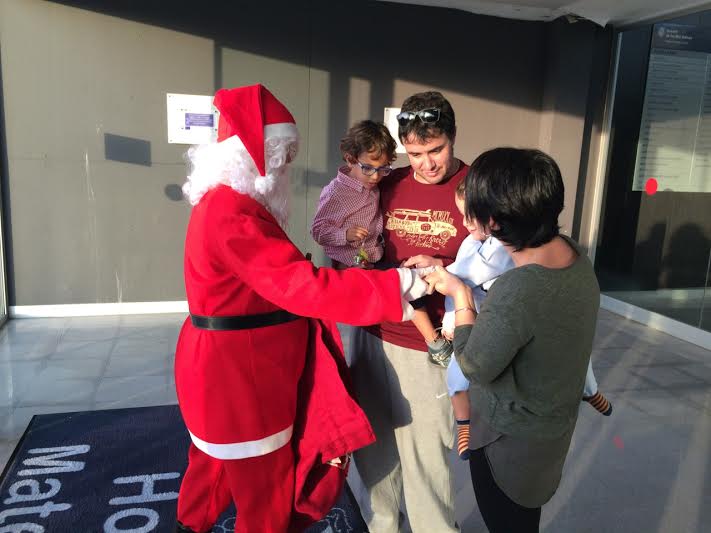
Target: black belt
226 323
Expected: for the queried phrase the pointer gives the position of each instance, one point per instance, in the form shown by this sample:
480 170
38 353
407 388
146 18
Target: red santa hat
253 114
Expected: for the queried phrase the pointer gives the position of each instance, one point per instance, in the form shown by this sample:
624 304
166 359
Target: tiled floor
645 469
79 364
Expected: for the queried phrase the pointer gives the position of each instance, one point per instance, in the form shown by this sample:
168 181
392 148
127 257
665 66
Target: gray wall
572 99
83 227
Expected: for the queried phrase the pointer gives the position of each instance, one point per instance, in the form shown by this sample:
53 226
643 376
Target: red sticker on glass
651 186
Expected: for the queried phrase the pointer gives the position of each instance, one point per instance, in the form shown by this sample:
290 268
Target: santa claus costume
260 382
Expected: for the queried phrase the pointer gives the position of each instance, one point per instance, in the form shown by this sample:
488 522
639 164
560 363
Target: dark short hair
520 190
368 136
430 99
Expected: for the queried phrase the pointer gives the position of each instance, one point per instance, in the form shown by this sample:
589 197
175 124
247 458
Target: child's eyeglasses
428 116
369 170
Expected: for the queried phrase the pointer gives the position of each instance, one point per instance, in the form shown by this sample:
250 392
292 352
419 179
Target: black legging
500 513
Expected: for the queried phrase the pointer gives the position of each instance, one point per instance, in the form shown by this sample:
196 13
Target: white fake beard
277 201
228 163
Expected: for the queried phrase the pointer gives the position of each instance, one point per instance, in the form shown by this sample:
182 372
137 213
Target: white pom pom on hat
264 184
253 114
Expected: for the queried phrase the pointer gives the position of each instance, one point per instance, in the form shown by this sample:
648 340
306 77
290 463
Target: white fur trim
242 450
282 129
412 287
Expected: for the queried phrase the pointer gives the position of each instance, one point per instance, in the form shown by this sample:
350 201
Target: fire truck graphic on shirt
425 229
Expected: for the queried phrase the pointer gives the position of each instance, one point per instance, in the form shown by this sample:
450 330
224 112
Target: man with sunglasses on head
403 394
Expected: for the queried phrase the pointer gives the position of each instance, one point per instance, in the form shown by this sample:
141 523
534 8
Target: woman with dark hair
528 349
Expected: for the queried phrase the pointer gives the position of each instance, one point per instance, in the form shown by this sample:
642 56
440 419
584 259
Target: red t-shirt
419 219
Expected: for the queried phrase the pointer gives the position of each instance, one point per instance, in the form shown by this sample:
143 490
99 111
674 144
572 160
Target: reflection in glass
655 246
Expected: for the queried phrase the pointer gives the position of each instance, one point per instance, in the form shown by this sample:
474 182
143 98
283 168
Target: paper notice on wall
390 120
192 119
674 144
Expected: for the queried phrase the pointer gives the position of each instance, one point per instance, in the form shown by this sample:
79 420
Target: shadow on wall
127 150
275 29
174 192
479 59
136 152
506 72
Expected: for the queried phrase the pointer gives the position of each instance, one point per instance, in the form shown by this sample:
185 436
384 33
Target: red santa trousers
262 488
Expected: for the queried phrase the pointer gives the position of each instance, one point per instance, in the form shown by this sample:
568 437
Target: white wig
229 163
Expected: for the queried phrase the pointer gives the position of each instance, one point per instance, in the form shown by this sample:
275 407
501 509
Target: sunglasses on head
428 116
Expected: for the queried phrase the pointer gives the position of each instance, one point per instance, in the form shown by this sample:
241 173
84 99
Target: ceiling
616 12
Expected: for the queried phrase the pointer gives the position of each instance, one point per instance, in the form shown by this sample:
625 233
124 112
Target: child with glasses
349 223
481 259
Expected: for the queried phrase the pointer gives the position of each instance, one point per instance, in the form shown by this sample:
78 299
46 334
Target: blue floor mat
113 470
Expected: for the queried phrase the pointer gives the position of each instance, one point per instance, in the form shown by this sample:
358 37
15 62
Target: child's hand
447 334
421 261
356 234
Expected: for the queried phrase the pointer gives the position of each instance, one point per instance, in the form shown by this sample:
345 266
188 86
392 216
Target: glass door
3 276
655 229
705 321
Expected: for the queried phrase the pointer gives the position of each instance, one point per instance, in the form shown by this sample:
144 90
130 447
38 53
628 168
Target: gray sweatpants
405 398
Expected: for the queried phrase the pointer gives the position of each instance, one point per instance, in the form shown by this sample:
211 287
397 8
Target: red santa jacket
329 424
237 390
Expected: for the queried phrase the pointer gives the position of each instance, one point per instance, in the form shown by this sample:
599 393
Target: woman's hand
443 282
421 261
450 285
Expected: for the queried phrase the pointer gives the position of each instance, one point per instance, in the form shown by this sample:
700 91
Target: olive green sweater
528 350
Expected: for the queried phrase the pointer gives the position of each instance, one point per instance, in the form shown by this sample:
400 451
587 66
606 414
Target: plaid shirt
345 203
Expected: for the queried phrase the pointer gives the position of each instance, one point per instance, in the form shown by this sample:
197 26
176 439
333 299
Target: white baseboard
648 318
123 308
659 322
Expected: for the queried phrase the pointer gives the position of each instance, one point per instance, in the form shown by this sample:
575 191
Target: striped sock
463 439
599 402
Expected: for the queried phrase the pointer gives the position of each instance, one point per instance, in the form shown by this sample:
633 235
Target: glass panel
706 305
3 280
655 231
